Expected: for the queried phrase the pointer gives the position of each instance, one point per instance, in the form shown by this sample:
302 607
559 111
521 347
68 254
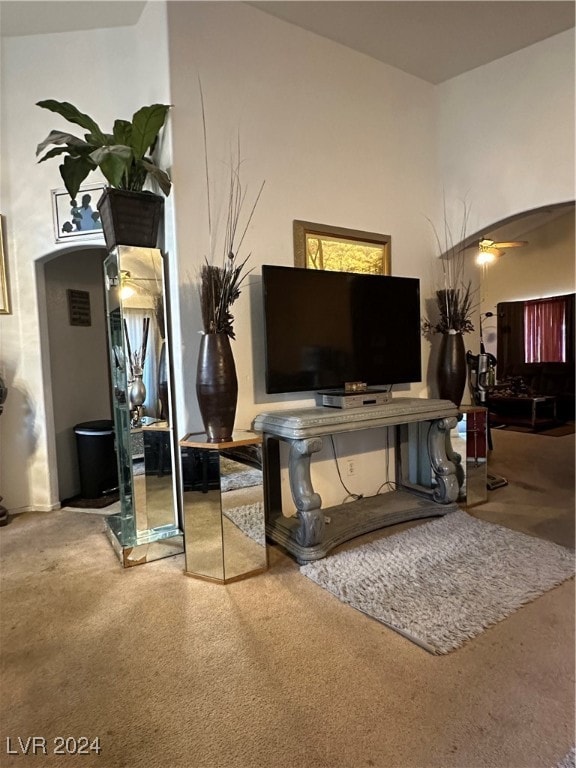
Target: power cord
352 496
390 485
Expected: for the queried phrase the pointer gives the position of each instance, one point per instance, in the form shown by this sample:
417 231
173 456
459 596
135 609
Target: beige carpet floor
274 672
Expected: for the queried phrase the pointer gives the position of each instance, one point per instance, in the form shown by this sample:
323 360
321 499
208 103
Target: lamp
488 250
125 290
486 255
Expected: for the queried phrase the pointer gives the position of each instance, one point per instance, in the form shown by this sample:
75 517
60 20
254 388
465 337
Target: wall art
318 246
79 218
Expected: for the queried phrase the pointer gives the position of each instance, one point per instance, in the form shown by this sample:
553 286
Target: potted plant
220 284
130 215
454 307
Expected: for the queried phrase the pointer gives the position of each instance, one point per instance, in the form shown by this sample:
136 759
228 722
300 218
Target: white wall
338 138
117 75
507 132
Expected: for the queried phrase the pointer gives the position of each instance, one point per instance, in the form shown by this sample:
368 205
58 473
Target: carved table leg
308 503
444 469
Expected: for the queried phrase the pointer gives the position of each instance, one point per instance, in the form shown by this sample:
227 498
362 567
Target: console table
428 471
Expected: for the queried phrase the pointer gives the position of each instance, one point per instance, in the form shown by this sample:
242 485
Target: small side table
223 509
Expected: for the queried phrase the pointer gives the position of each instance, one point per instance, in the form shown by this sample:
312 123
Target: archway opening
75 360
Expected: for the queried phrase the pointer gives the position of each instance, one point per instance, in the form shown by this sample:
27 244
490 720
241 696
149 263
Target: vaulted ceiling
434 40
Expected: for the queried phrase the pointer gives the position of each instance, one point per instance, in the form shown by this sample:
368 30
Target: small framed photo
77 219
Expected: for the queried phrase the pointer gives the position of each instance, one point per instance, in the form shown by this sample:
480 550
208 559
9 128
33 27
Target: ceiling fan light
485 256
126 292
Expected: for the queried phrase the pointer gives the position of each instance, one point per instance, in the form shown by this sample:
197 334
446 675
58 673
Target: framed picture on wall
4 294
318 246
77 219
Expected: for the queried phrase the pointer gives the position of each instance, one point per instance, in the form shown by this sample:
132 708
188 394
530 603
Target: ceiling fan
488 250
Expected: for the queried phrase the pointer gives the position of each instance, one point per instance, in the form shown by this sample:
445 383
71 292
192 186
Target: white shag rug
569 761
250 520
235 475
445 581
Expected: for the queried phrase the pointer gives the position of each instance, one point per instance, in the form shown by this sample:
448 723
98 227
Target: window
545 330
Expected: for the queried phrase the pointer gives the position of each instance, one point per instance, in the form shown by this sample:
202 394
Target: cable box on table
340 398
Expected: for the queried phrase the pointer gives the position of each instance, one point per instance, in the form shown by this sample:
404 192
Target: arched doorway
543 267
75 365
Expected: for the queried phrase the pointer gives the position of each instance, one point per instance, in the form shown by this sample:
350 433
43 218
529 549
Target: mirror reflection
469 439
141 396
144 326
224 525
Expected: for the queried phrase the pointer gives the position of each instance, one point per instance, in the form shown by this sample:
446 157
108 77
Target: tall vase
452 367
217 386
137 395
137 391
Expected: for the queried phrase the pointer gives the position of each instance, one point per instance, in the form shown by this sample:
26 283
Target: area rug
77 502
250 520
443 582
235 475
569 761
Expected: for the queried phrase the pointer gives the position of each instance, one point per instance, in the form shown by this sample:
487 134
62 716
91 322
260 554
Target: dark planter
130 218
452 368
217 387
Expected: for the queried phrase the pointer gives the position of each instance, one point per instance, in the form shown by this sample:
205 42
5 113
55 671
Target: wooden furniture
426 471
224 533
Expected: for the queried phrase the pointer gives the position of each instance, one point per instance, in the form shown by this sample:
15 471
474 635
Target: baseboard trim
35 508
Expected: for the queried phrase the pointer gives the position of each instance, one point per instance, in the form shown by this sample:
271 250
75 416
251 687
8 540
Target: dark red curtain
545 329
516 343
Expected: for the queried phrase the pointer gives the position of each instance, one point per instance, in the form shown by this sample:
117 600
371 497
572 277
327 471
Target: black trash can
96 458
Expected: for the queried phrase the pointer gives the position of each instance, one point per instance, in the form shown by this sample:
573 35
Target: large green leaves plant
124 156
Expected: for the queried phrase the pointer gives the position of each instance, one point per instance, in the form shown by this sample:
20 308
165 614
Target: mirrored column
223 510
141 394
469 439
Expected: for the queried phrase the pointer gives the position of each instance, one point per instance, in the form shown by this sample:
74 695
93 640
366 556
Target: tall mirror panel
147 526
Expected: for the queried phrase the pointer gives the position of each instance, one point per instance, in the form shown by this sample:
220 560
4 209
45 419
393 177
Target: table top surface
239 437
315 421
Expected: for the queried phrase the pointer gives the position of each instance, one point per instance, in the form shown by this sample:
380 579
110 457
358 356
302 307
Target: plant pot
217 387
130 218
452 368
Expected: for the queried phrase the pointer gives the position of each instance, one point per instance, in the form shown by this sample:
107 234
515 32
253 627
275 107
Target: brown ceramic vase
217 387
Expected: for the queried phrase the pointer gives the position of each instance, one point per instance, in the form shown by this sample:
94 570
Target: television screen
323 329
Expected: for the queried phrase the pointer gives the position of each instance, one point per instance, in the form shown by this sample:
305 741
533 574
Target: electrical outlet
350 468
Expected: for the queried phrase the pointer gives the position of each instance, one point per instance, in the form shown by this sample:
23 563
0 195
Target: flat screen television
324 329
